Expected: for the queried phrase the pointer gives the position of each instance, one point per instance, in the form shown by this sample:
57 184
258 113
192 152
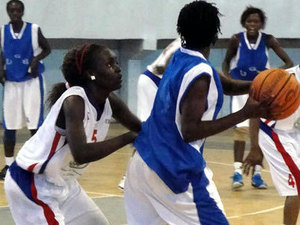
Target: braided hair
77 62
198 25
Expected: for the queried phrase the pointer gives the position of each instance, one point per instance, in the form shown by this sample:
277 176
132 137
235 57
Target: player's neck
17 26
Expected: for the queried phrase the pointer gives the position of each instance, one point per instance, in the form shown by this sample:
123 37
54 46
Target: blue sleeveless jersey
18 54
249 61
160 142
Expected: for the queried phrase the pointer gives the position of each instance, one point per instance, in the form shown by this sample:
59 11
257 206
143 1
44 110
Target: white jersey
148 81
163 59
48 152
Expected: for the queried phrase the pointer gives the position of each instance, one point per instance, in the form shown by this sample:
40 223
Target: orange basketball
280 84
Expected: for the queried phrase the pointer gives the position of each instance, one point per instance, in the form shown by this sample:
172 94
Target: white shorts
282 152
236 103
23 104
148 200
34 200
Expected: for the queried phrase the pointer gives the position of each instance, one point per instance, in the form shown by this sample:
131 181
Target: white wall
145 19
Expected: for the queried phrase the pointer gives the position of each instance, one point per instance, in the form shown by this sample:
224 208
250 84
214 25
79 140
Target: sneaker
257 182
237 182
122 182
3 172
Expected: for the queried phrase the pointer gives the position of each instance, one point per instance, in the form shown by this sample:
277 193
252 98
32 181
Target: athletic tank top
160 141
250 60
19 50
48 152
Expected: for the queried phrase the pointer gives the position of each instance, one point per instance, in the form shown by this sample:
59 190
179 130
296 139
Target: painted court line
231 165
256 213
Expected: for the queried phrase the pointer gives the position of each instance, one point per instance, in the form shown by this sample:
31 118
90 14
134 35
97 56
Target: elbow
79 155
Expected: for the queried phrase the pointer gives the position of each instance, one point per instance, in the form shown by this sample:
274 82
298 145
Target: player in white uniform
41 186
168 180
280 144
148 83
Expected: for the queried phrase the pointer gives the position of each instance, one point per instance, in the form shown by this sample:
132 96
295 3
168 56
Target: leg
239 137
24 209
32 132
9 141
80 209
139 209
291 210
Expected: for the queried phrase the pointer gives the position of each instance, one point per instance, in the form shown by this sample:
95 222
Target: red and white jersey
48 152
291 123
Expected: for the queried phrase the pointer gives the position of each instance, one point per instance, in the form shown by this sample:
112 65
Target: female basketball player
168 180
279 141
246 56
41 185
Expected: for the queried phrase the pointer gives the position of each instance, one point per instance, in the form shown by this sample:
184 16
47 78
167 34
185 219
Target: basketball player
148 83
167 179
280 144
41 185
246 56
23 47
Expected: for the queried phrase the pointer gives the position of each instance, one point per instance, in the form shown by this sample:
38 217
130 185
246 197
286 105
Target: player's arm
43 43
274 44
255 155
230 53
193 106
2 66
234 87
2 70
83 152
122 113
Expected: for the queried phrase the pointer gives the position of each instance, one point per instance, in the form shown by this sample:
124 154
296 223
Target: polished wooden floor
246 207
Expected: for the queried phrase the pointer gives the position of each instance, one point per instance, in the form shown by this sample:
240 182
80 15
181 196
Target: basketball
280 84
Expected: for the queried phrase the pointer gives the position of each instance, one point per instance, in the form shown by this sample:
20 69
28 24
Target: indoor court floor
246 207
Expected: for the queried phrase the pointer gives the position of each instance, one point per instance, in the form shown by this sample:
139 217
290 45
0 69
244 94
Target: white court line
228 164
105 194
257 212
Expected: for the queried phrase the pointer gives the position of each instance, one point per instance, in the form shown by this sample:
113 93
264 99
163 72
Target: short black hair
198 24
253 10
8 4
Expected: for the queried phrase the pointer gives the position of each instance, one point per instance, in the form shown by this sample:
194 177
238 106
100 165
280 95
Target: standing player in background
279 141
148 83
23 47
167 179
246 56
41 185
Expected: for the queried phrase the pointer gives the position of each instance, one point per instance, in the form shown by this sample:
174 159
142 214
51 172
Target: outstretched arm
234 87
194 105
83 152
122 113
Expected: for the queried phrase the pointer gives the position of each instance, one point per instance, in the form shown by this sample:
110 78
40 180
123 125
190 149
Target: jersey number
94 138
291 181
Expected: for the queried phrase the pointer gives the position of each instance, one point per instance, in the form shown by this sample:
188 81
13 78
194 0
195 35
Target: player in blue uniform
246 56
23 46
168 180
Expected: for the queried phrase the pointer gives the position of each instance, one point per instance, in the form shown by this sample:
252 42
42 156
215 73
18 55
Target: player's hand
262 109
254 157
34 67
